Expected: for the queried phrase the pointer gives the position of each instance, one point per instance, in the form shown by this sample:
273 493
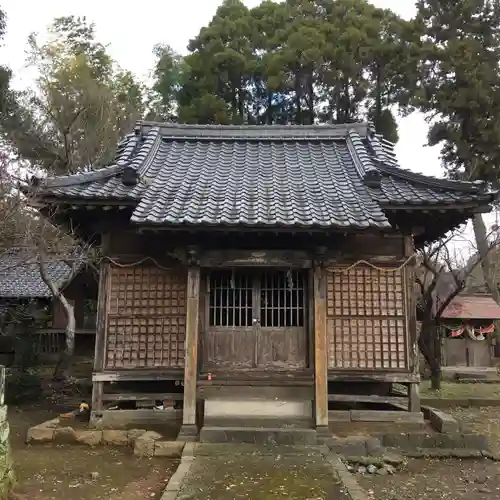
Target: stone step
258 435
263 423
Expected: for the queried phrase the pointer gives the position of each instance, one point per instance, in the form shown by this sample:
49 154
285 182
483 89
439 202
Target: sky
131 31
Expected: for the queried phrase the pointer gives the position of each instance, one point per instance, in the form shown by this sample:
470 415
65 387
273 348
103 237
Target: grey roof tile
20 275
262 176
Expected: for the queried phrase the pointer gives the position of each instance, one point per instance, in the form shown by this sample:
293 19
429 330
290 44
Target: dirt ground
50 472
446 479
437 480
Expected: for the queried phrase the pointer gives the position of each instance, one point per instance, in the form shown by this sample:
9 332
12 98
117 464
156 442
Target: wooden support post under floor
320 352
189 429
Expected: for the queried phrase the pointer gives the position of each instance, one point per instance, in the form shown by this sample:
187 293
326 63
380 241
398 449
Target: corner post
189 430
100 339
320 350
411 314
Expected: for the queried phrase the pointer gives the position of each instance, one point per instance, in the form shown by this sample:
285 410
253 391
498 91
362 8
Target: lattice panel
366 318
367 343
146 321
365 291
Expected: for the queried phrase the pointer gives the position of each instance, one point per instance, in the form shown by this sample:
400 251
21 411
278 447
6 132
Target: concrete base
188 433
258 435
118 419
257 408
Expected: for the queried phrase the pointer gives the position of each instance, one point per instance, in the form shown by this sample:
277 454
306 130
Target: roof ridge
253 132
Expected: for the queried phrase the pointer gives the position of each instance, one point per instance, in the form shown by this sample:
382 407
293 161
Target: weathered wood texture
320 348
192 340
146 317
366 318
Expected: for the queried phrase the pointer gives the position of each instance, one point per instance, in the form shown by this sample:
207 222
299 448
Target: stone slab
440 420
264 408
115 437
40 435
172 449
89 437
251 471
256 435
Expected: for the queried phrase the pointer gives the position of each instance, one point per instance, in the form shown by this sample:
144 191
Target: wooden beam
100 340
138 375
260 258
352 398
158 396
320 349
191 350
395 378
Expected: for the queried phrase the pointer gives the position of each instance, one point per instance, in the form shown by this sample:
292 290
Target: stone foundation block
145 445
348 446
134 434
171 449
374 447
65 435
115 437
396 441
40 435
475 442
89 437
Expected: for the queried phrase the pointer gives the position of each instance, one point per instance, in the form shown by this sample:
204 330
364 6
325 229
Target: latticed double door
255 319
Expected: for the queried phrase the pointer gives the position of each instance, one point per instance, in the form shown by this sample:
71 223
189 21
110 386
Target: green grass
450 390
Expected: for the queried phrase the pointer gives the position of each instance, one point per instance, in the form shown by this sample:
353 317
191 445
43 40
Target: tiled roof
20 275
310 176
472 307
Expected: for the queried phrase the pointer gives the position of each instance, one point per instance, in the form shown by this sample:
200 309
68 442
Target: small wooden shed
21 283
268 269
467 330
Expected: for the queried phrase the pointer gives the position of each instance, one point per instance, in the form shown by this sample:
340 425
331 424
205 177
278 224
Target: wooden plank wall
366 321
146 317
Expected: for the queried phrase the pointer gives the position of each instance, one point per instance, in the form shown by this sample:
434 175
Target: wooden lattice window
366 319
146 320
230 299
275 298
282 299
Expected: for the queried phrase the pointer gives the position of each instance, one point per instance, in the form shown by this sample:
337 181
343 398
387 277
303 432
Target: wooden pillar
189 429
100 340
411 314
320 350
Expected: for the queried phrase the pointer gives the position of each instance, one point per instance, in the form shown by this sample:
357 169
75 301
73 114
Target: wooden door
281 315
255 320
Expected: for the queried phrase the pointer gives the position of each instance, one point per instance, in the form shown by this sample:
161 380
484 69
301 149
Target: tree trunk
63 367
436 365
481 237
429 343
488 269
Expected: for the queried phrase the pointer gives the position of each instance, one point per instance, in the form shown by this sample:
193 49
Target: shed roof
332 176
472 307
20 276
